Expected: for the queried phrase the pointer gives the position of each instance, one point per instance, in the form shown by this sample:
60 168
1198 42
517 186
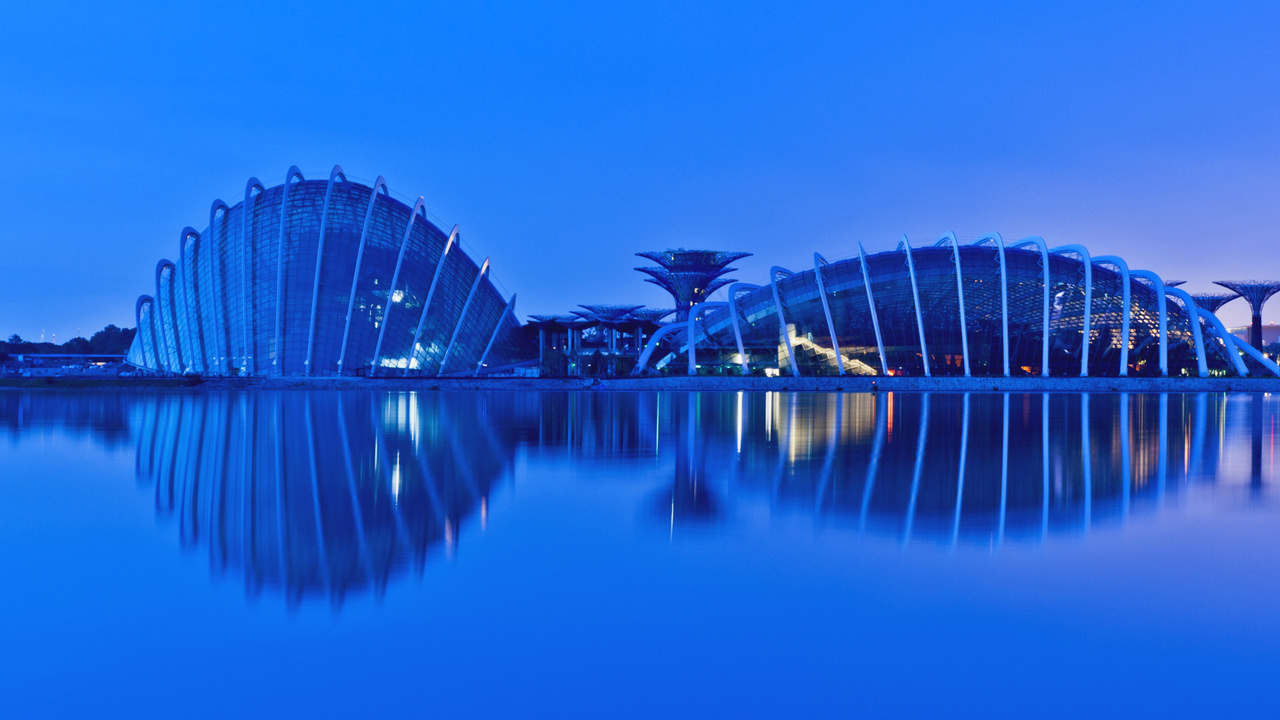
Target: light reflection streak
1044 445
964 451
329 493
873 466
1086 460
1004 462
915 475
317 494
1126 463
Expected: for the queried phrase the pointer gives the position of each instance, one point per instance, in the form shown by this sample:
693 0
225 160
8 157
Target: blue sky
563 137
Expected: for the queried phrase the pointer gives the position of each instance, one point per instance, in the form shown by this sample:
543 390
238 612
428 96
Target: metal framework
426 305
1086 263
1162 310
689 275
462 316
246 300
511 306
326 323
1213 301
1127 340
818 262
1193 315
950 237
734 289
1004 294
1256 293
1045 293
875 314
915 297
379 184
1039 243
692 338
315 292
277 353
774 272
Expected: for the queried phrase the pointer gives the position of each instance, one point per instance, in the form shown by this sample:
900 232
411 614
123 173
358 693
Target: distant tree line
110 340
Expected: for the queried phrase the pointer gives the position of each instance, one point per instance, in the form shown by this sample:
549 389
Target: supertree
689 275
1212 301
1256 293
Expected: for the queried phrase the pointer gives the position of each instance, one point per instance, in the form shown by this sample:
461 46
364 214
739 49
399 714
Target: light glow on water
1053 540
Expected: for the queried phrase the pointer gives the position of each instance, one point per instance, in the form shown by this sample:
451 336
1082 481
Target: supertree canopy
1211 301
1256 293
690 275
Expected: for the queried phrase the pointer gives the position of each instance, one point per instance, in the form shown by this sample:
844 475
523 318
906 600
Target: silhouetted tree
111 340
76 346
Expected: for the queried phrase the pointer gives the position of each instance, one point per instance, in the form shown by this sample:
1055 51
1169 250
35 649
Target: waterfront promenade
674 383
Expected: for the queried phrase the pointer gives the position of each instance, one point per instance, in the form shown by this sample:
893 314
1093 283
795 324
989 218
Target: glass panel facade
348 204
486 308
442 316
235 304
408 299
246 295
981 281
383 241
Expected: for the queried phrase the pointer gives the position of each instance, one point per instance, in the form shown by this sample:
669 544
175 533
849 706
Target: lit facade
324 278
957 309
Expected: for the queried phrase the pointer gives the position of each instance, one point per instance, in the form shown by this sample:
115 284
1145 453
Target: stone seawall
678 383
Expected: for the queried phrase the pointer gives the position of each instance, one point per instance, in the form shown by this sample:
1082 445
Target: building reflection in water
954 467
320 493
330 494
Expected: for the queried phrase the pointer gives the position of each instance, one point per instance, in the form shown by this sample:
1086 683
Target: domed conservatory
324 278
334 277
979 308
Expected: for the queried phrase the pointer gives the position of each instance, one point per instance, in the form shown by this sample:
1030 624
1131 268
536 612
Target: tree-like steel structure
1256 293
1212 301
689 275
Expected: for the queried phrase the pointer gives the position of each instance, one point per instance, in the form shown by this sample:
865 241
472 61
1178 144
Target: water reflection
101 416
328 494
319 494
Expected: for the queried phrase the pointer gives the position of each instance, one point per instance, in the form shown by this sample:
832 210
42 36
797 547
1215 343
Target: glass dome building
324 278
978 308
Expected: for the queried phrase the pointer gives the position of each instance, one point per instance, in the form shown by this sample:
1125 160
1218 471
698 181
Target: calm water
639 554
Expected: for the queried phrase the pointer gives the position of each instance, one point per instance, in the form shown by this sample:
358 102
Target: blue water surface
614 554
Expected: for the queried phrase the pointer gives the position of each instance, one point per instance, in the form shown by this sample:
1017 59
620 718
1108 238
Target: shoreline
674 383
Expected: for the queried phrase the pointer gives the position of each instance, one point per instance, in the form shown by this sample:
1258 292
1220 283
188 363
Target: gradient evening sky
563 137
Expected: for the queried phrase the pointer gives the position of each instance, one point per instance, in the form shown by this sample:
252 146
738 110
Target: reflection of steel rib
305 512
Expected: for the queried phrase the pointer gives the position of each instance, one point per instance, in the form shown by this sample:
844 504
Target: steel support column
380 184
248 210
737 329
782 321
494 336
1004 294
462 316
1193 316
277 352
1087 263
1048 302
1126 298
426 307
915 296
315 290
1163 312
871 305
818 262
964 325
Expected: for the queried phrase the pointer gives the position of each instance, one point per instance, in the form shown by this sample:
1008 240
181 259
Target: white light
397 296
395 482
